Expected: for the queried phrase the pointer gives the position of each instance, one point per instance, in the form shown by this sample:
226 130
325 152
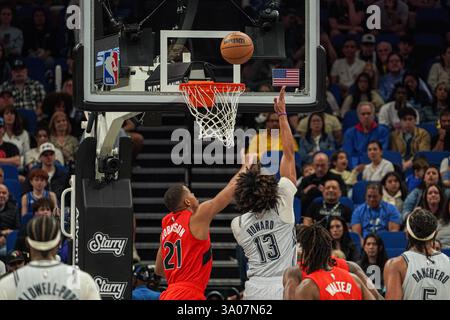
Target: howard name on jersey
260 226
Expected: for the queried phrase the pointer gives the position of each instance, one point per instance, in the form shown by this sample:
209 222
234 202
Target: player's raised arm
206 211
287 166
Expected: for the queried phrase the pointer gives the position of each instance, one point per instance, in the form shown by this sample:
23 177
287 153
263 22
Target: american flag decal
285 77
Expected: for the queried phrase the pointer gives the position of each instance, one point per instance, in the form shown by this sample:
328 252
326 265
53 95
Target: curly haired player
323 280
266 229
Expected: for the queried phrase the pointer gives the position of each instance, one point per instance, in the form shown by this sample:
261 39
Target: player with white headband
421 273
46 278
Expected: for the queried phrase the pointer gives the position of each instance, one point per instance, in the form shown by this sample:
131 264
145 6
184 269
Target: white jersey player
45 278
421 273
266 231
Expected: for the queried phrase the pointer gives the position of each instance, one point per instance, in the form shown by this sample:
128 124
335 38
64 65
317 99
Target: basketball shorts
183 291
260 288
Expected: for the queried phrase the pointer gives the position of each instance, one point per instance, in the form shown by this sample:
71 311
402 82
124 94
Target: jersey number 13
273 253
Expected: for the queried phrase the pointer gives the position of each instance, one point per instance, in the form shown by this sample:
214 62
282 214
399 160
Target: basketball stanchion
214 107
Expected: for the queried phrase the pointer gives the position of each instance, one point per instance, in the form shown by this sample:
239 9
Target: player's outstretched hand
279 103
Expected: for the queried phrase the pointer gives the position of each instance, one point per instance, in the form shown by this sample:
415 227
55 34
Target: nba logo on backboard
111 68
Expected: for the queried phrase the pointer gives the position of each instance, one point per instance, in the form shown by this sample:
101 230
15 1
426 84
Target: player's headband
411 233
45 246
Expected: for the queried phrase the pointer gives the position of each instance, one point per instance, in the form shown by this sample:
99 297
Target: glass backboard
134 57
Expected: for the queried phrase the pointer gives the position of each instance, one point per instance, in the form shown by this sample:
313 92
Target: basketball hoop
214 106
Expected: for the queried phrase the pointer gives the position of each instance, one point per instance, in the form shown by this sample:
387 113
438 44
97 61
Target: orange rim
206 96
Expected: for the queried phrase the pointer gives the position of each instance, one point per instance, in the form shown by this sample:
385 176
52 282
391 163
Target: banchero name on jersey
46 289
430 273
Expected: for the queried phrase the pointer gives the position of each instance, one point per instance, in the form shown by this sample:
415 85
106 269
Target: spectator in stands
433 199
143 276
58 178
332 126
374 255
437 243
405 49
338 229
38 179
6 99
39 39
394 190
394 16
441 101
5 67
440 71
445 172
41 207
339 166
378 167
311 187
367 52
9 220
443 231
384 49
417 97
394 74
389 113
9 154
441 142
356 139
330 206
375 215
269 139
10 37
15 260
332 106
307 170
15 132
67 86
364 91
413 180
372 71
60 136
27 93
409 139
344 71
55 101
346 16
32 155
431 176
315 139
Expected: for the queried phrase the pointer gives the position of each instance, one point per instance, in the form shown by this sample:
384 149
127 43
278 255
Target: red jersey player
184 256
322 280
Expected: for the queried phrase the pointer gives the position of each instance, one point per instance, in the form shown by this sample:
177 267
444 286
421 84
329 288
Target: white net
214 106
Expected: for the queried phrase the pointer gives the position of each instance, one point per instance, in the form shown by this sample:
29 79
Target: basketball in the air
236 48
